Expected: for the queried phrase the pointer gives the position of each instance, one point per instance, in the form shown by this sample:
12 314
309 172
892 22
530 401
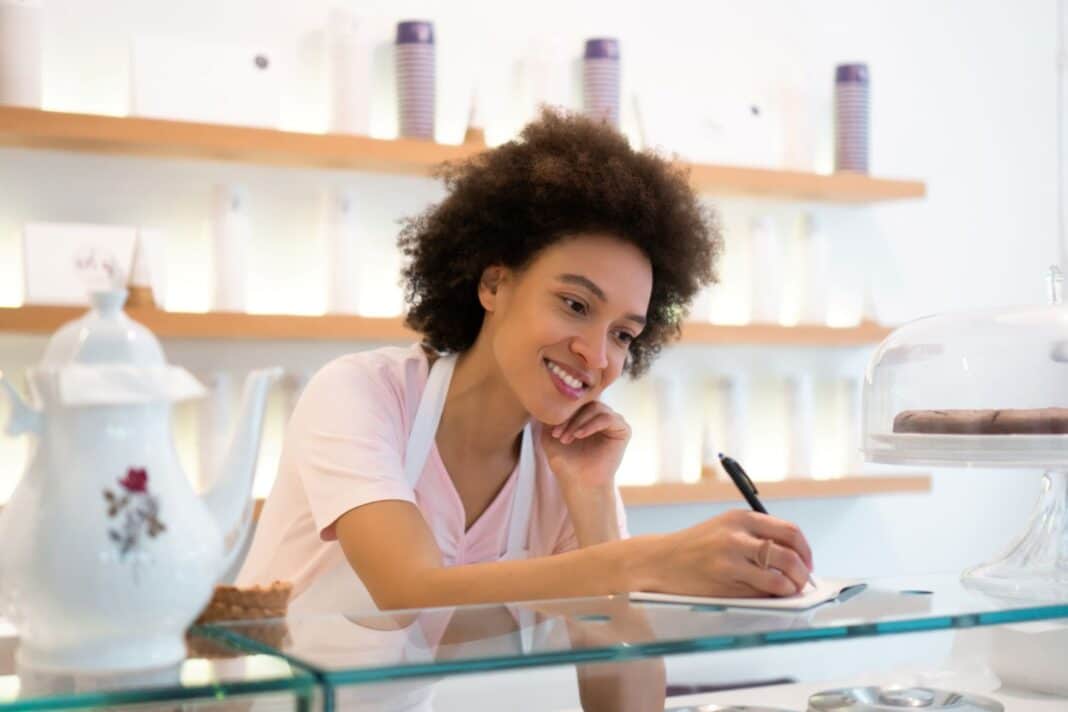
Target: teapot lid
104 357
103 335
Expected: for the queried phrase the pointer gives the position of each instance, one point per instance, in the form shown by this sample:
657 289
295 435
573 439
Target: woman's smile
564 381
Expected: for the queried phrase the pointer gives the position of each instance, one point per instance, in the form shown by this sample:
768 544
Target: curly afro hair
566 175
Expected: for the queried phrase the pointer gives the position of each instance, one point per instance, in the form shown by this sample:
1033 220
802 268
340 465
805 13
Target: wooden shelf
712 492
220 325
33 128
834 187
863 334
332 327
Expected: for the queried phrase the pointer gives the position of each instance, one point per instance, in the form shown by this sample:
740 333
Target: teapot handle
23 417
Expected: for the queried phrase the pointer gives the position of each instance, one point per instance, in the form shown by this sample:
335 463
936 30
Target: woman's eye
575 305
625 337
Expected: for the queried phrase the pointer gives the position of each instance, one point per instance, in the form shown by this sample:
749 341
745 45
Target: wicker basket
231 603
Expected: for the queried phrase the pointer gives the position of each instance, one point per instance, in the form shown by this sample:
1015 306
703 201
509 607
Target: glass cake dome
984 388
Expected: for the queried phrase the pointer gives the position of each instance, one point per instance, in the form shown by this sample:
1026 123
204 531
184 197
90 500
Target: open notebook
824 591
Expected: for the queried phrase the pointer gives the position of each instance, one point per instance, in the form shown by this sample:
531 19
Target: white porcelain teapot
106 552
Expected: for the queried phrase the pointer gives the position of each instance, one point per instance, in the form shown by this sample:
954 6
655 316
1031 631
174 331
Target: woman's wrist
634 562
583 494
593 513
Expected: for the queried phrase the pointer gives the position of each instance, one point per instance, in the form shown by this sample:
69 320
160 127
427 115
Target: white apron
340 589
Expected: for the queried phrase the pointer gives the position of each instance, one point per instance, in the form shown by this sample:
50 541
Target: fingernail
556 431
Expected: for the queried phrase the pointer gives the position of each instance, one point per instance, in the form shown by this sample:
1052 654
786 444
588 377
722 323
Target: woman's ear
490 285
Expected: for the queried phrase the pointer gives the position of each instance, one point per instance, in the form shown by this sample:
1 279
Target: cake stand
991 360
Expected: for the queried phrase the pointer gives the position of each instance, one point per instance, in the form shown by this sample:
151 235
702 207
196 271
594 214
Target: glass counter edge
680 646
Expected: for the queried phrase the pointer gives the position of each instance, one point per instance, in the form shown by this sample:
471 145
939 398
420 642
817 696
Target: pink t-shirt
344 447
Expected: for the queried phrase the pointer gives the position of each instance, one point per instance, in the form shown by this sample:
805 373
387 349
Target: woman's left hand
586 450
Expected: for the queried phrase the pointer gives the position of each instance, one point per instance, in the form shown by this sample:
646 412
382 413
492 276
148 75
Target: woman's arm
393 551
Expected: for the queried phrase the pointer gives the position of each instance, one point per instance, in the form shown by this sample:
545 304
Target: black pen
743 483
748 489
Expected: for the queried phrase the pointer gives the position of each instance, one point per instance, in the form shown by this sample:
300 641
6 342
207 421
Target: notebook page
824 591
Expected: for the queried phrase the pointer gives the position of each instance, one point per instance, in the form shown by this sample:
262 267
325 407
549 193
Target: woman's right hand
722 557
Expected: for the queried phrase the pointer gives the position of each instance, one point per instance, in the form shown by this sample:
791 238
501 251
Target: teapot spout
229 499
23 417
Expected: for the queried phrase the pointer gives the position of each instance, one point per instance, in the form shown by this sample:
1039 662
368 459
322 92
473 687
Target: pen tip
721 455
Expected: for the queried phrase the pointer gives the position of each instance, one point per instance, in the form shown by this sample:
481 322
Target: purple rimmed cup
600 79
851 118
414 62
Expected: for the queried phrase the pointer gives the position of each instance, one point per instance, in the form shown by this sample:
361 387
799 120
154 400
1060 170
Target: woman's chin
551 407
553 414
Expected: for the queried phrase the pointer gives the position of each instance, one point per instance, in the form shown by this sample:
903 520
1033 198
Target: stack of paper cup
339 224
349 52
600 80
817 270
713 428
735 403
671 426
852 394
231 238
800 414
768 270
20 53
415 78
851 118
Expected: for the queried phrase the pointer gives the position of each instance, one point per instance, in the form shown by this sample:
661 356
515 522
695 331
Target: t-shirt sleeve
569 542
347 439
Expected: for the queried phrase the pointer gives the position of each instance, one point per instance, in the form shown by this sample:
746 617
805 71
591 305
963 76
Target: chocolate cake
1008 421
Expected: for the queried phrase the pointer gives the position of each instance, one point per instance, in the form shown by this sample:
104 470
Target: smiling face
561 327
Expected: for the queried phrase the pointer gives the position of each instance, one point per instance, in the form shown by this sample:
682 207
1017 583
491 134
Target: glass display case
214 675
984 389
412 660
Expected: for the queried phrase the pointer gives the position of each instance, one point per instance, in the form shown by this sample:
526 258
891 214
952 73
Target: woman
479 466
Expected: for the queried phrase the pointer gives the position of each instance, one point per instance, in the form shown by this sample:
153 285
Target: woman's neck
482 416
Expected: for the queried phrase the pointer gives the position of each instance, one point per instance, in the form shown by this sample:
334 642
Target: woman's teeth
566 377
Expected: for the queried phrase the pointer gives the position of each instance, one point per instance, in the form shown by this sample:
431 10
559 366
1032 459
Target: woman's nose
592 349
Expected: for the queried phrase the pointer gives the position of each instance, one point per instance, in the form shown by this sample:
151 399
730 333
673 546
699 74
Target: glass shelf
356 649
213 674
334 661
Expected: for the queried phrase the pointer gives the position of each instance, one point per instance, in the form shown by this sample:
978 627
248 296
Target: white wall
964 98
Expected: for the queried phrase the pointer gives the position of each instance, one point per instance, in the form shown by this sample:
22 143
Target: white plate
978 450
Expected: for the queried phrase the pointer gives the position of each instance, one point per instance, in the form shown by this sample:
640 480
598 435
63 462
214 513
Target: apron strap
526 631
522 499
427 417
